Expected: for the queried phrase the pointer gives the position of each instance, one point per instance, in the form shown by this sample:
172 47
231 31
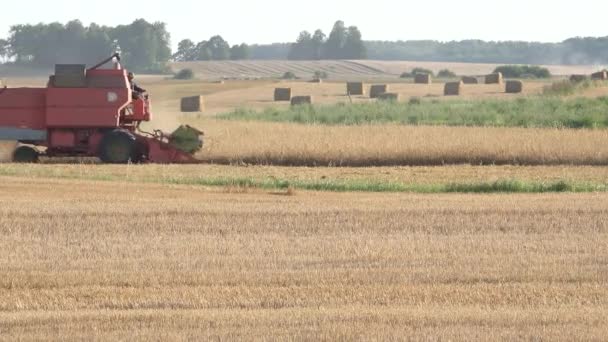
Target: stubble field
122 260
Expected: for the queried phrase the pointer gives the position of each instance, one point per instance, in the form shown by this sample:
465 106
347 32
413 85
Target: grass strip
329 185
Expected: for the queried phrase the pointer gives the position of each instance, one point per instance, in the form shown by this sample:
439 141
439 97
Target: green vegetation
333 185
523 71
289 76
184 74
415 71
446 73
523 112
567 87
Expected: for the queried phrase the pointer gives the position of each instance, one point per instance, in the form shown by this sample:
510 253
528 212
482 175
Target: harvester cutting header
89 113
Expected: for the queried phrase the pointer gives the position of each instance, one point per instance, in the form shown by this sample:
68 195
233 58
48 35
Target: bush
415 71
320 75
422 71
445 73
184 74
523 71
289 76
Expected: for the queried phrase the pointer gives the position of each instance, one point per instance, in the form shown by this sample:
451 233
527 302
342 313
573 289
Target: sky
268 21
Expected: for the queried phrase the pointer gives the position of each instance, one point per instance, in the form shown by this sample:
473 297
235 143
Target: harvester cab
90 112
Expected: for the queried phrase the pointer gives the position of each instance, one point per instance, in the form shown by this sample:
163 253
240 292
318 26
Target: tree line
146 47
214 49
342 43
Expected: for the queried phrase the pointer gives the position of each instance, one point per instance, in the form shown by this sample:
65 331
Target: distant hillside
366 69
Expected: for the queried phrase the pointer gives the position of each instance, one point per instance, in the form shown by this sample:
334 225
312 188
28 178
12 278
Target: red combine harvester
89 113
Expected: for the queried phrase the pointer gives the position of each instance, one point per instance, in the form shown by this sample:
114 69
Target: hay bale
282 94
423 79
470 80
355 88
317 80
301 100
389 97
578 78
7 147
600 76
192 104
377 89
514 87
494 78
452 88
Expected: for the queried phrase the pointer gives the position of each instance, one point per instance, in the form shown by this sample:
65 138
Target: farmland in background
342 70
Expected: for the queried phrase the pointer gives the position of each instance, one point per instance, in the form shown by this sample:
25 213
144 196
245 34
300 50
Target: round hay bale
6 150
282 94
578 78
301 100
470 80
192 104
494 78
452 88
514 87
355 88
423 79
599 76
377 89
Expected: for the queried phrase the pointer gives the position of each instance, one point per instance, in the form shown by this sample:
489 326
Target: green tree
202 51
144 46
219 48
186 51
353 46
239 52
302 48
336 41
4 49
318 40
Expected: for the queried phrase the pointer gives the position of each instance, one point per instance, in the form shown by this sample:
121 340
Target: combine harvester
89 113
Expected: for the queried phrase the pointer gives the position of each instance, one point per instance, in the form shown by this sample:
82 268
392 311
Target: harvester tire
118 147
25 154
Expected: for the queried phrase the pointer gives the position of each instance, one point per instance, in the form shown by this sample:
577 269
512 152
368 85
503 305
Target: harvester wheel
25 154
118 147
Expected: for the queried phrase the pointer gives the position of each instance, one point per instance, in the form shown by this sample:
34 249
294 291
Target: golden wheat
367 145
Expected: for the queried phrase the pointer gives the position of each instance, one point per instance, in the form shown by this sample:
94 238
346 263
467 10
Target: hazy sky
266 21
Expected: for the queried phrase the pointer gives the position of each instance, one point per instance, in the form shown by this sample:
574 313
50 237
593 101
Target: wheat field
368 145
107 260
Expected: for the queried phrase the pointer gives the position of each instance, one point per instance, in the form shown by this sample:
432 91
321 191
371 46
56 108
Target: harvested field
345 70
417 175
194 263
365 145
